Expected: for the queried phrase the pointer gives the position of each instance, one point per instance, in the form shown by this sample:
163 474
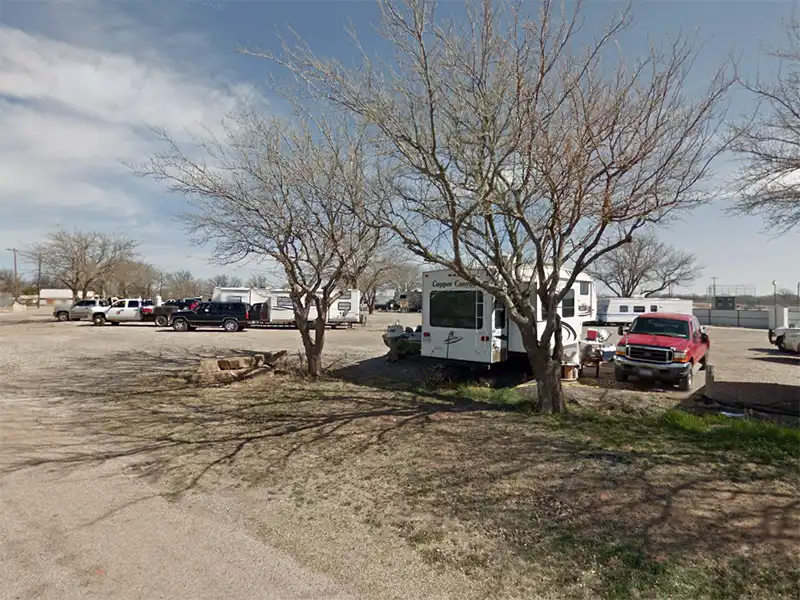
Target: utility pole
16 276
714 291
39 281
798 294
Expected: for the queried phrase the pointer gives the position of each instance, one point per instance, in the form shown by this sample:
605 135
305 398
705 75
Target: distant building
59 296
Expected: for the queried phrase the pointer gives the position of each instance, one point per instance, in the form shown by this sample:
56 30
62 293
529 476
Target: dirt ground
398 489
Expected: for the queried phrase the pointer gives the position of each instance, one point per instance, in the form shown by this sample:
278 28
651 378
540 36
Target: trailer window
568 304
584 290
623 308
284 302
346 295
344 307
653 308
639 309
459 310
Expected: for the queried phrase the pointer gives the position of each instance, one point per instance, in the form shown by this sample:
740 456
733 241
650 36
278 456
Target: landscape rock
234 363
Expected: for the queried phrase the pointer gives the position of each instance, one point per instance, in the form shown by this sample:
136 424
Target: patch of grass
500 396
760 440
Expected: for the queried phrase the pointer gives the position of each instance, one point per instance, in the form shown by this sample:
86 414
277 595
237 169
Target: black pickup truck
162 315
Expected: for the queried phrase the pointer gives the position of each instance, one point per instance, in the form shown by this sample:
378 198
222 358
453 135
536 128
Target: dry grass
622 498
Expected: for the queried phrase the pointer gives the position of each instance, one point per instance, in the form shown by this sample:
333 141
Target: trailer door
499 332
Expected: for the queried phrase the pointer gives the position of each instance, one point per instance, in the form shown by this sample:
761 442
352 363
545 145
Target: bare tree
259 282
7 280
646 267
513 148
271 190
134 278
182 284
769 143
225 281
79 260
383 270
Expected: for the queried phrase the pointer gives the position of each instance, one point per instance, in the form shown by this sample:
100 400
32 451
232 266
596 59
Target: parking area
41 356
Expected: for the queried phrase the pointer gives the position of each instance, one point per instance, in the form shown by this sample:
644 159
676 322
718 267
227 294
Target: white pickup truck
778 336
129 310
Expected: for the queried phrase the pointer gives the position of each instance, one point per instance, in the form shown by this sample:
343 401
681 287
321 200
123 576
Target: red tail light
426 334
247 315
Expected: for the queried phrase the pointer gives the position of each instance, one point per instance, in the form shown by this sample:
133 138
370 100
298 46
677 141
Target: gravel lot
42 357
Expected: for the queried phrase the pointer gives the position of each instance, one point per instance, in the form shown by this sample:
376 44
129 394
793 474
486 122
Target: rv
239 294
622 311
276 309
460 322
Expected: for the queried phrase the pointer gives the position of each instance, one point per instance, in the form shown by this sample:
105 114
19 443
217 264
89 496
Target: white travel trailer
239 294
461 322
276 309
621 311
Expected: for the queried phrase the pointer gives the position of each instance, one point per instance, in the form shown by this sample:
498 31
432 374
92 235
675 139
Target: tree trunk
313 343
371 305
547 372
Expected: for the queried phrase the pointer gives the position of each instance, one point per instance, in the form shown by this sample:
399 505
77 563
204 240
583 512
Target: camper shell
461 322
622 311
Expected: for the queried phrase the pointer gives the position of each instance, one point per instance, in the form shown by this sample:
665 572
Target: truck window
133 304
653 308
623 308
118 304
457 309
639 309
584 289
568 304
661 326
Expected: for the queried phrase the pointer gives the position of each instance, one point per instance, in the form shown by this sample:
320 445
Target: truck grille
654 355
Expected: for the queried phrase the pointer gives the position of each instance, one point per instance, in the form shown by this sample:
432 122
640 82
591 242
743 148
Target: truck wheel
180 325
63 316
99 320
780 344
620 375
161 321
685 383
230 325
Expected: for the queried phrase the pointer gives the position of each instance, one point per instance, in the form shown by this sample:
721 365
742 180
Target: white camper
239 294
621 311
463 323
277 309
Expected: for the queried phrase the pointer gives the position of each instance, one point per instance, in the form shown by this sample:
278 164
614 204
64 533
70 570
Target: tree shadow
780 360
626 496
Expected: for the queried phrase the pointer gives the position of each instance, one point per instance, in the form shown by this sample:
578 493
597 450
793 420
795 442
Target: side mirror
703 331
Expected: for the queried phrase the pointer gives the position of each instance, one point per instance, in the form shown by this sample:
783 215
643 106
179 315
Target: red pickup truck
662 346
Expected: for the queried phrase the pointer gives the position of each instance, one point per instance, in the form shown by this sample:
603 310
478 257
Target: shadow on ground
612 498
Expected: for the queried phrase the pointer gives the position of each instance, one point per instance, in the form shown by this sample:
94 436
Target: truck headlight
622 350
679 356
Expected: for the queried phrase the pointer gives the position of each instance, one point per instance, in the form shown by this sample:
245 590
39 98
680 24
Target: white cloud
72 111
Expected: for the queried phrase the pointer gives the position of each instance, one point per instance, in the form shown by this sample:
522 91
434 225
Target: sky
83 81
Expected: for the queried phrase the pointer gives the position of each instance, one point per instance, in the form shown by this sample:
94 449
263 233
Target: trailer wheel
99 320
161 321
